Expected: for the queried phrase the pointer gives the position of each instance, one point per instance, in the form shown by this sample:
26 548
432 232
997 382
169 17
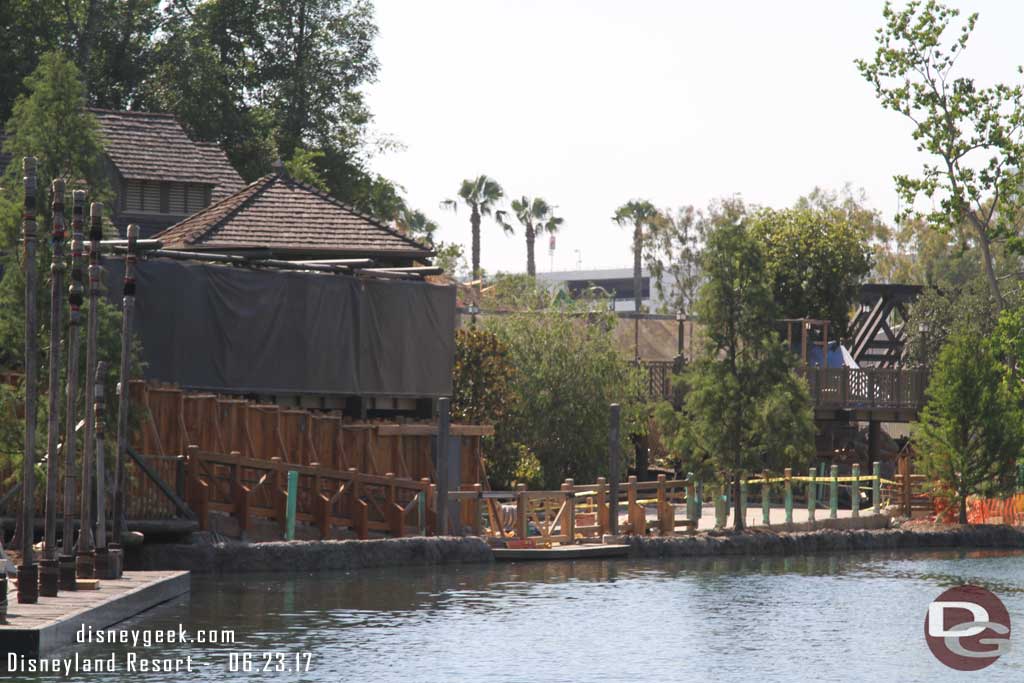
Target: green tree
745 409
974 134
537 217
638 214
568 369
969 436
672 255
481 195
816 260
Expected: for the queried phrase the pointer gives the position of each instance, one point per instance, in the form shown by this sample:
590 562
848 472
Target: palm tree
537 217
482 196
639 213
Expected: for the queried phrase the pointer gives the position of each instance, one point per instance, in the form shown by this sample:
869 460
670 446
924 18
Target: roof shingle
281 214
152 146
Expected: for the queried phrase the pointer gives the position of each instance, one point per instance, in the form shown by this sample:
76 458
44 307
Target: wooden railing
331 500
866 388
578 511
843 388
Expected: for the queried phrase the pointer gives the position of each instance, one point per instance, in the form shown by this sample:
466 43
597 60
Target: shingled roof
285 216
152 146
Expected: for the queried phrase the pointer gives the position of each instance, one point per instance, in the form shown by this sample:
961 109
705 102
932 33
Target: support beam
614 465
68 570
443 425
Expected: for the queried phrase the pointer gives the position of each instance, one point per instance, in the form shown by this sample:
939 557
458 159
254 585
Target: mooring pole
443 423
85 535
105 568
124 395
614 463
67 557
28 572
49 573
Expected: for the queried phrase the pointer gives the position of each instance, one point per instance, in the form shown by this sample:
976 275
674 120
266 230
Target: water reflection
717 618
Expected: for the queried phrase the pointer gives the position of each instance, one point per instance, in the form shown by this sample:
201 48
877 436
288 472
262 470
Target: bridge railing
866 387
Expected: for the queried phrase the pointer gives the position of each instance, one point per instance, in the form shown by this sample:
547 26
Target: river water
857 617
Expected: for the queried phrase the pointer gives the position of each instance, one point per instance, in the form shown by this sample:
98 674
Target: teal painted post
833 492
721 511
691 501
876 487
766 509
812 502
789 495
743 500
855 492
293 494
818 493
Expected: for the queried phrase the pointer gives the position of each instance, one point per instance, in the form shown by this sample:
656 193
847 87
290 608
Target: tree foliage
568 369
974 134
969 436
744 406
482 196
672 256
537 217
815 259
641 215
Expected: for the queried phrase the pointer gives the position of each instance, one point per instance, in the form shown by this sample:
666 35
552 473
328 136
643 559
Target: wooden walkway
39 629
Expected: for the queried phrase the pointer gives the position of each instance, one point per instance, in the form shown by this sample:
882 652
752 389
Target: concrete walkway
754 517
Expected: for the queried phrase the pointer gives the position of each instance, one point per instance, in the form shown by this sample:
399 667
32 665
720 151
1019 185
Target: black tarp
235 330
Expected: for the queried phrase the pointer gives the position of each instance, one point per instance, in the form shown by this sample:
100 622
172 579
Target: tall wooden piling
614 462
443 425
67 559
766 503
93 409
28 572
124 395
49 572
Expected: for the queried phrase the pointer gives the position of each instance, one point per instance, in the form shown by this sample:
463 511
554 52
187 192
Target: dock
590 551
50 624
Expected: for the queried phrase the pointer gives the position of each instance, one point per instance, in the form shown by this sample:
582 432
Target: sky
591 103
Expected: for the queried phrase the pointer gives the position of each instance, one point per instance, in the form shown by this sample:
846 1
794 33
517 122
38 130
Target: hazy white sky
591 103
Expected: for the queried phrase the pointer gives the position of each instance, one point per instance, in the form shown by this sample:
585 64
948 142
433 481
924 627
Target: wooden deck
562 552
39 629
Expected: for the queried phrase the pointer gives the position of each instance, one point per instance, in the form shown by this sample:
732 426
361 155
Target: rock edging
826 540
310 556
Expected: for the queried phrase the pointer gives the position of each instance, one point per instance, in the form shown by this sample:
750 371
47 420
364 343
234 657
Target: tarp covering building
236 330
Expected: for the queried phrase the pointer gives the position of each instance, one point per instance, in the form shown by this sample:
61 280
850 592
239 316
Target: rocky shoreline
764 542
311 556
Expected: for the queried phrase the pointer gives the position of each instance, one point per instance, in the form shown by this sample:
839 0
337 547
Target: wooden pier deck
39 629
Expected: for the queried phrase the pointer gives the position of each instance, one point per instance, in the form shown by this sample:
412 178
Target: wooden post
824 346
876 487
569 516
179 476
105 569
614 462
421 512
905 469
522 525
28 572
833 492
86 561
721 511
123 389
855 492
743 500
49 577
692 504
788 474
443 423
766 504
638 524
478 510
93 405
812 496
665 525
602 506
293 495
